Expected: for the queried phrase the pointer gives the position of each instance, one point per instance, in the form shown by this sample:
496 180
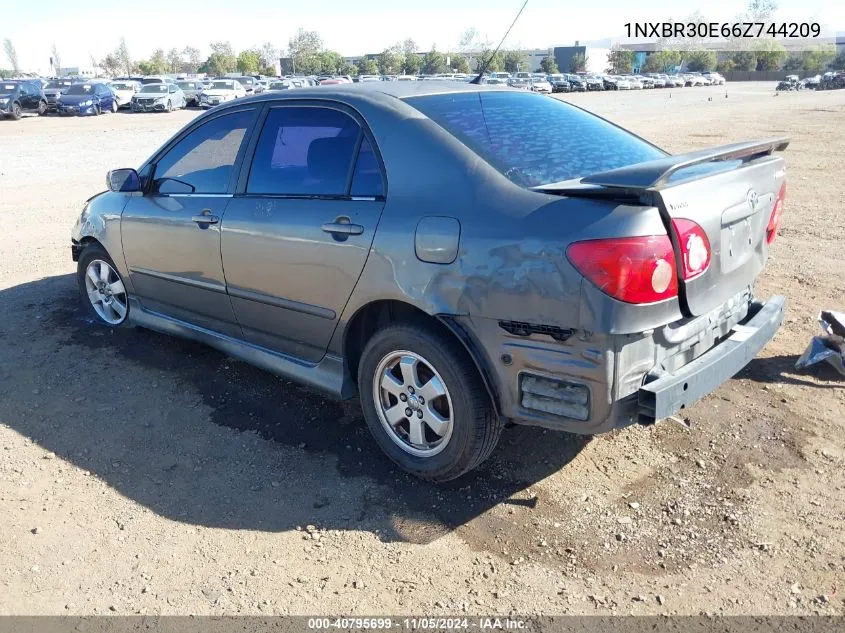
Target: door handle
205 217
343 228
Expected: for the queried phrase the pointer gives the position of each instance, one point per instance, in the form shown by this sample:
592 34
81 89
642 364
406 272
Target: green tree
303 49
816 59
146 67
158 62
367 66
123 57
745 60
411 63
838 62
432 62
661 61
110 65
11 55
460 64
701 61
249 62
174 61
390 61
621 61
549 65
725 65
496 63
331 62
348 69
578 63
793 64
514 61
770 54
192 59
269 57
222 59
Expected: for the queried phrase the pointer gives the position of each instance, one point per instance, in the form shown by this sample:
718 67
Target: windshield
55 85
154 88
80 89
186 85
121 86
223 85
534 140
278 85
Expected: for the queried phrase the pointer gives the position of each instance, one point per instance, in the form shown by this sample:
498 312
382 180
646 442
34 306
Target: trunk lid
733 208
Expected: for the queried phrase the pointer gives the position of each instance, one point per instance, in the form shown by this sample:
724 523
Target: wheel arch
371 317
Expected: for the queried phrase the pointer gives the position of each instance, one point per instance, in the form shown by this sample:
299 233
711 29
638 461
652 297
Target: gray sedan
163 97
457 256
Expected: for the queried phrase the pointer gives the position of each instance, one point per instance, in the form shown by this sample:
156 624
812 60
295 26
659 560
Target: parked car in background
632 298
279 85
53 89
18 96
715 78
221 91
594 82
88 98
559 83
576 83
368 78
250 85
124 91
622 83
406 78
191 88
610 82
520 83
161 97
541 84
494 81
157 79
677 81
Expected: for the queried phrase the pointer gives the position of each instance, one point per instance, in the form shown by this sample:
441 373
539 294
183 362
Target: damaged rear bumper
667 394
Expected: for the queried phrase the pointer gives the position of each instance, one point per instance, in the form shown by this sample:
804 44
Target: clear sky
80 30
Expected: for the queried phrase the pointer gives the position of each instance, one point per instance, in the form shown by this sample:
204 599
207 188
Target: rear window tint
533 139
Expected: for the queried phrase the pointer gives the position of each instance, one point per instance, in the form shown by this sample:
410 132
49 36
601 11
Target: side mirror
123 180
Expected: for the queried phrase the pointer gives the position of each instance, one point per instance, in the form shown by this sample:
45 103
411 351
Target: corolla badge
752 197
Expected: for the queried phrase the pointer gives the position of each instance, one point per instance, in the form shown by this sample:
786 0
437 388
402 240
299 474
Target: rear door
733 208
296 236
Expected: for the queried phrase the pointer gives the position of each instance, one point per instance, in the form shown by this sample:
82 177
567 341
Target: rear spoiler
655 173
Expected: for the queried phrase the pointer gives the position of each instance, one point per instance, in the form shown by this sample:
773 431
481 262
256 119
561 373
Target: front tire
42 108
114 106
425 403
101 287
96 110
16 112
169 107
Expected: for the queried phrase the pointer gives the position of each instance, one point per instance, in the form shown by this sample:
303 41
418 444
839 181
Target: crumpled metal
829 348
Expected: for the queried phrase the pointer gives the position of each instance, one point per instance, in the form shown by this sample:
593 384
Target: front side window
534 140
202 162
304 151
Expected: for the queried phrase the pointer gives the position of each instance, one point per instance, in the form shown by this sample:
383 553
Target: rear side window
533 139
304 151
367 179
204 159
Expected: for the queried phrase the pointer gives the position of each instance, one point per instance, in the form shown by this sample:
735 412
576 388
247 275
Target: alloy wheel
413 403
106 292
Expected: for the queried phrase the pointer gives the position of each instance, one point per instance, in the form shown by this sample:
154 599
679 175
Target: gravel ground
142 474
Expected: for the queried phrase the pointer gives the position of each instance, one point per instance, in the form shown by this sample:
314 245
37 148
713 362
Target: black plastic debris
830 347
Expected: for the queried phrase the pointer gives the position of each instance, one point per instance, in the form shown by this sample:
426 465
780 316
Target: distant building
80 71
595 58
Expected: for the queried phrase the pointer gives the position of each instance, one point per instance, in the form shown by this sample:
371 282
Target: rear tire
42 108
169 107
440 369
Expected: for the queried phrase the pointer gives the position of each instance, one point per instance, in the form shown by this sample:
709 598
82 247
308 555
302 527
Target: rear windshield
533 139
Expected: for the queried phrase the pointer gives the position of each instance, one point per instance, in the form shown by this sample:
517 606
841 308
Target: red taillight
631 269
777 214
695 247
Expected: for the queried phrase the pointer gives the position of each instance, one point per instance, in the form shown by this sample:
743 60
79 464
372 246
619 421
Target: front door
171 234
296 239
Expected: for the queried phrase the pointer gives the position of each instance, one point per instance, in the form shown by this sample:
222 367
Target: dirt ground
143 474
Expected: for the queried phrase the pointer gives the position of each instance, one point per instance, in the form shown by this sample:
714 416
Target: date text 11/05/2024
419 623
722 29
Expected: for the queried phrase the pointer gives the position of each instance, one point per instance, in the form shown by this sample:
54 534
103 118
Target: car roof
380 90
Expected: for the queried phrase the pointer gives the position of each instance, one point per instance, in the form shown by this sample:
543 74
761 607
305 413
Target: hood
4 94
75 99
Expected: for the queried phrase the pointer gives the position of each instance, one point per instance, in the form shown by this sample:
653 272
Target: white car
124 91
541 85
622 83
221 91
406 78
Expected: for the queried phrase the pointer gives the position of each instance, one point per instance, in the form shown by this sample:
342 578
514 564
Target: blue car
87 98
